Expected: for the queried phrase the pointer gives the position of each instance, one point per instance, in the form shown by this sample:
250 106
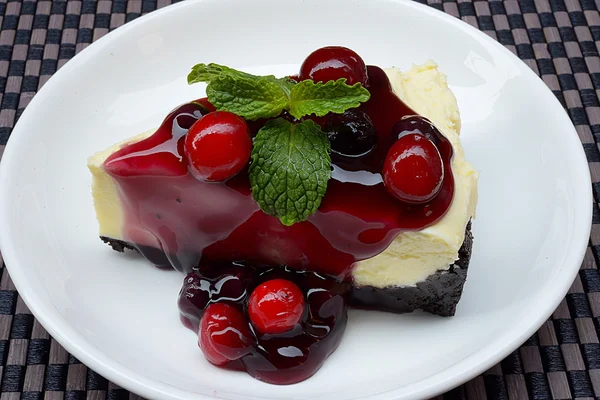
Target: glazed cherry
416 124
332 63
350 134
276 306
224 334
413 171
218 146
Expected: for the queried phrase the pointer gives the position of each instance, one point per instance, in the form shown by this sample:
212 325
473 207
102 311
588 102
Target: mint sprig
290 169
253 97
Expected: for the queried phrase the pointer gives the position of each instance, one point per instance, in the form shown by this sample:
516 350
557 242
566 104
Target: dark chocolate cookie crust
438 294
117 245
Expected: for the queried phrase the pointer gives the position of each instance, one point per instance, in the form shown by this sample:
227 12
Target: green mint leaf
208 72
290 169
249 97
308 97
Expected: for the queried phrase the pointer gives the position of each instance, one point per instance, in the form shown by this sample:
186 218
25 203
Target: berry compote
187 220
281 358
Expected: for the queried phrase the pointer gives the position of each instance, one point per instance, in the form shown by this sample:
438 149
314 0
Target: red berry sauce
281 358
175 219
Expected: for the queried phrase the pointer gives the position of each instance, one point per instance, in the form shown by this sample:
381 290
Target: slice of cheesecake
398 257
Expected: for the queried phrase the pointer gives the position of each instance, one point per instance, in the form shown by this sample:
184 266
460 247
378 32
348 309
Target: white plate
119 316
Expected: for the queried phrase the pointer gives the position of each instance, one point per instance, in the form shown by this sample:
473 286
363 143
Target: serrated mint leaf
308 97
290 169
248 97
208 72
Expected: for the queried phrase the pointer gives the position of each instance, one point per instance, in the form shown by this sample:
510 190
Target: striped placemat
558 39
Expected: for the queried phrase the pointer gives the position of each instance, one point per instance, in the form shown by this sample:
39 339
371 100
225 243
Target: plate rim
149 388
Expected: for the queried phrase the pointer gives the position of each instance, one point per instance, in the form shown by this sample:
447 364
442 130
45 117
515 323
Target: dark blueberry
351 134
204 287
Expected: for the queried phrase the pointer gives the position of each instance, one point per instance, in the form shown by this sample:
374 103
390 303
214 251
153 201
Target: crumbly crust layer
438 294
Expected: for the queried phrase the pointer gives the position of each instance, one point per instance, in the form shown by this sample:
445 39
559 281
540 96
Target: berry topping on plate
276 323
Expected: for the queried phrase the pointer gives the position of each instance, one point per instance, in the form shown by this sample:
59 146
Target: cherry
276 306
413 171
332 63
218 146
224 334
416 124
350 134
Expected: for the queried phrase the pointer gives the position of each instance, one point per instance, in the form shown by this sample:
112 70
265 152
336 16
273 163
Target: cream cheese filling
105 192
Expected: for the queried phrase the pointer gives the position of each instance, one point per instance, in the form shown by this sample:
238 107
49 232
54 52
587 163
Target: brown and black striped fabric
558 39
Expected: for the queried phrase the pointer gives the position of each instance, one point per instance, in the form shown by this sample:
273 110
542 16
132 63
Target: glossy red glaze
332 63
189 220
413 171
276 306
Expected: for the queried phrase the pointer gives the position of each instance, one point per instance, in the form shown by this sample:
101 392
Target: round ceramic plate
119 316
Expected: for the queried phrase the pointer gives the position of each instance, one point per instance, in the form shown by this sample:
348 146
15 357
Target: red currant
218 146
276 306
332 63
413 171
224 334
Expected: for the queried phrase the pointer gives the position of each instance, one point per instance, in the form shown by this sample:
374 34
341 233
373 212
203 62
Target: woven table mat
558 39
